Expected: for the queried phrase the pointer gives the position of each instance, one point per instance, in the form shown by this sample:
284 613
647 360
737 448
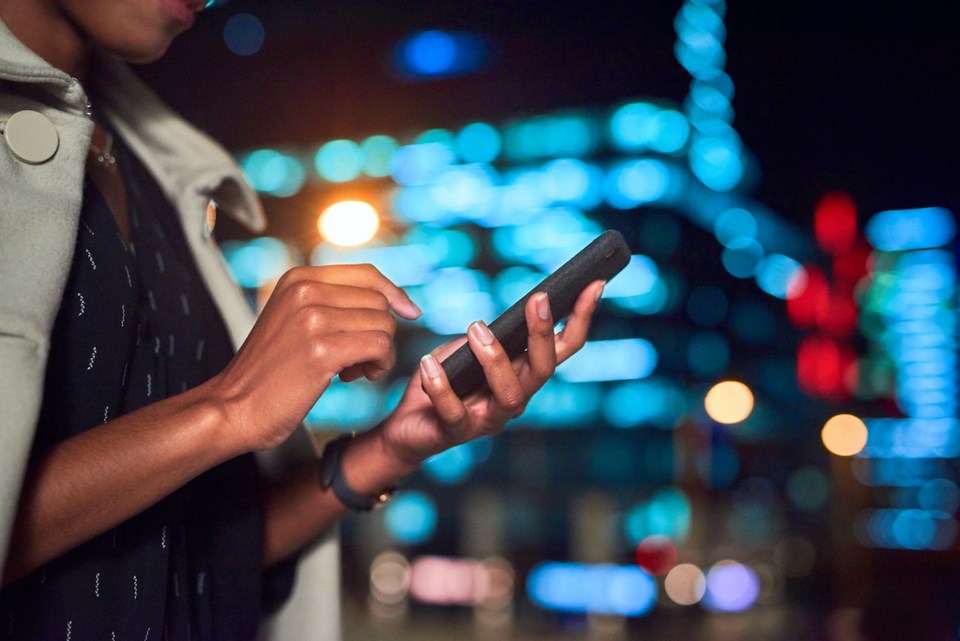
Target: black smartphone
602 259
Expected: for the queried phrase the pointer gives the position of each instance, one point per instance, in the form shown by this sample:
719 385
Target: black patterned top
137 325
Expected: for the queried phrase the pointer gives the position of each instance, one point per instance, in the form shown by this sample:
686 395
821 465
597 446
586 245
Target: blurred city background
761 439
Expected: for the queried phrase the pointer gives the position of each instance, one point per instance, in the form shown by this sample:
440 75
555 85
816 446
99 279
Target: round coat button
31 137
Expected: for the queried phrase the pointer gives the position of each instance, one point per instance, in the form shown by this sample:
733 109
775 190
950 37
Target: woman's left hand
431 421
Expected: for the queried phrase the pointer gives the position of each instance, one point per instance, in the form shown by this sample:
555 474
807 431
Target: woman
131 498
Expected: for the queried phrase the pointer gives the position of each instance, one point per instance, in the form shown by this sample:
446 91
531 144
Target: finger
449 407
365 276
498 369
336 353
574 333
311 292
322 320
541 344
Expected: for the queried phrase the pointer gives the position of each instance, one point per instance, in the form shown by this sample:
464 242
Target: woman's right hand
319 322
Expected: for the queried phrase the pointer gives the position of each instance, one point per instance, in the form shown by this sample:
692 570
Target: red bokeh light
811 305
657 555
821 366
835 223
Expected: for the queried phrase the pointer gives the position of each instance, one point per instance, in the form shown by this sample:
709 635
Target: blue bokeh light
638 278
244 34
339 161
905 229
420 163
652 401
667 513
411 517
271 172
613 360
597 589
479 142
345 406
717 163
637 182
256 262
778 275
377 151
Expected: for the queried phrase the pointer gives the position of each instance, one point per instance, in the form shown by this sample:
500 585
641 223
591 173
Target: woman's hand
425 423
319 322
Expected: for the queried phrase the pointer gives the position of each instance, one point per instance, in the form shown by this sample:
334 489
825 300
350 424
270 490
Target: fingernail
543 307
430 366
482 333
415 309
603 284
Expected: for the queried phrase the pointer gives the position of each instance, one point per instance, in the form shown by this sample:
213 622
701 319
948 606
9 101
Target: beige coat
39 214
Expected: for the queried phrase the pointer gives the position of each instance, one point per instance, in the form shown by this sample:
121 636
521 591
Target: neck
43 27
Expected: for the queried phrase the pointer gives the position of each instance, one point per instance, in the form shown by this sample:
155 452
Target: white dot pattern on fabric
163 335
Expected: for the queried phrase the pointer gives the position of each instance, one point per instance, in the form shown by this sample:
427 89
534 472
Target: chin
141 50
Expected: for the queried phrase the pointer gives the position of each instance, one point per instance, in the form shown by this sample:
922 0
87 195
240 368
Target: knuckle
313 320
318 352
544 371
391 323
302 291
512 400
383 342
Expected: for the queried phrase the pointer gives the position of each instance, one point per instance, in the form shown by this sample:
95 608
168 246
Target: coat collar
182 159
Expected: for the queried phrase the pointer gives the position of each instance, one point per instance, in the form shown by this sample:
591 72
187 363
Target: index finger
363 275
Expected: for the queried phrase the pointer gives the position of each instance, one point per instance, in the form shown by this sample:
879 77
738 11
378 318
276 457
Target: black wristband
332 478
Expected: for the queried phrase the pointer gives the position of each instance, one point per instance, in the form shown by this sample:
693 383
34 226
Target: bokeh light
411 517
349 223
244 34
339 161
685 584
389 578
731 587
656 554
844 435
729 402
596 589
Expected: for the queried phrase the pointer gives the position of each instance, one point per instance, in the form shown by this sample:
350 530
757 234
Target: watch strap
332 477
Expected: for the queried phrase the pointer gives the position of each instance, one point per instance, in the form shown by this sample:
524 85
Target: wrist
369 467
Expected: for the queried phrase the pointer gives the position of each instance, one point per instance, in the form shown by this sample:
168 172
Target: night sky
860 96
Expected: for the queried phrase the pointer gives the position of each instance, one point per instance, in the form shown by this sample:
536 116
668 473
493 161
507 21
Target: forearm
87 484
297 510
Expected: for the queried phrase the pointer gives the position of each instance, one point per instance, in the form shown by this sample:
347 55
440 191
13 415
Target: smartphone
602 259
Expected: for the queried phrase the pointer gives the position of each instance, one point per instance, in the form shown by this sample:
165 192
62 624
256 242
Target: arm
423 424
319 322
